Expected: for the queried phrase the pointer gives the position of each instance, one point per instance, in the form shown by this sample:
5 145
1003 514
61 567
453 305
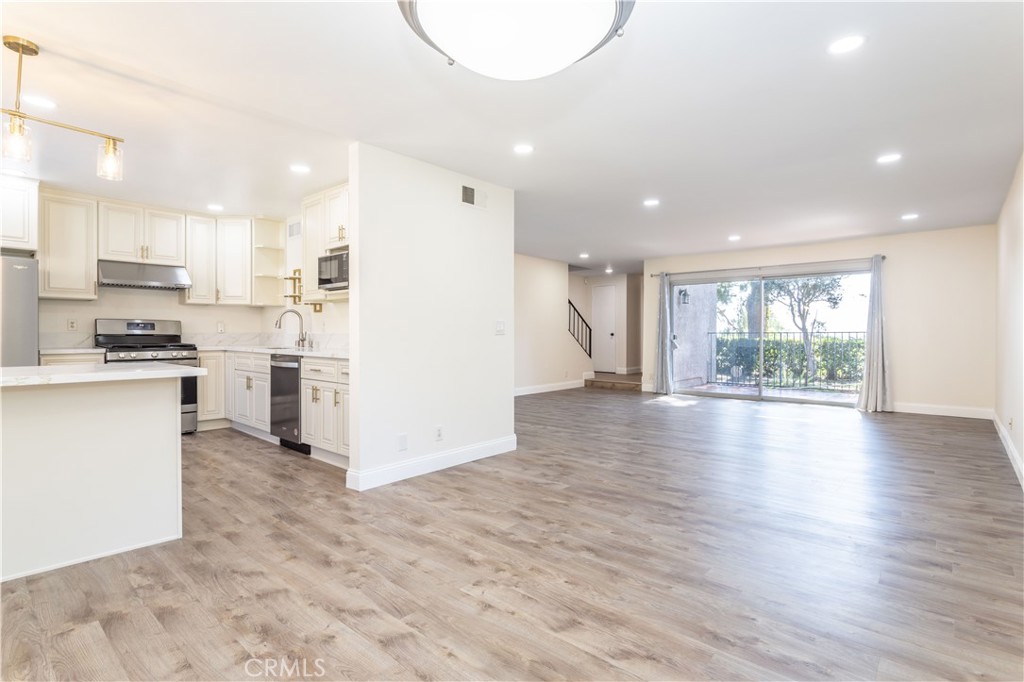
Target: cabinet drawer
243 361
325 369
261 363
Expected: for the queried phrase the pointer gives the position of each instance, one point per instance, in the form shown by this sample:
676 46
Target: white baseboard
417 466
1011 451
72 562
588 375
946 410
255 433
328 457
544 388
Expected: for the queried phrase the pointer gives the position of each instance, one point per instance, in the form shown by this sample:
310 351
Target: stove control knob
174 354
131 355
120 355
154 354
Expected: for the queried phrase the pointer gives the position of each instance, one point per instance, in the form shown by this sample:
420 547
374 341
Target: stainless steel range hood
143 275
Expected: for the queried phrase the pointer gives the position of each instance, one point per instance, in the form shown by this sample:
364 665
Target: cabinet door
261 401
211 387
243 397
164 238
234 261
330 401
19 213
310 415
201 259
343 417
336 226
67 247
121 232
229 385
312 244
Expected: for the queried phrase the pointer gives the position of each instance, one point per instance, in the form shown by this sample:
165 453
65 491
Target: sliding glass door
795 338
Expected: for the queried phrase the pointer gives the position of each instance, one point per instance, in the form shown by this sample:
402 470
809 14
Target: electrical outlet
72 325
438 433
403 442
220 327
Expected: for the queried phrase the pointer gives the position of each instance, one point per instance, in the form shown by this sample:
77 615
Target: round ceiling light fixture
514 40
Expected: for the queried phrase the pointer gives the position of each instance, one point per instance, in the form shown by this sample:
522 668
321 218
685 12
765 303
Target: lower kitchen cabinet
211 386
71 359
325 413
251 399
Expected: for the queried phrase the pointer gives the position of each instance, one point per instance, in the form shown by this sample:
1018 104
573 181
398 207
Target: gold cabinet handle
248 383
335 397
315 390
341 232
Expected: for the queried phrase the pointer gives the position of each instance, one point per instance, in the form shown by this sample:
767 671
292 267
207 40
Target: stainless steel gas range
153 341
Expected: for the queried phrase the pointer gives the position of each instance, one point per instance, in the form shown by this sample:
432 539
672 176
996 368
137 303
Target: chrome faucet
301 343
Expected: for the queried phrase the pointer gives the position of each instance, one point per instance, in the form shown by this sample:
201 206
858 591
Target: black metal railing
579 329
832 361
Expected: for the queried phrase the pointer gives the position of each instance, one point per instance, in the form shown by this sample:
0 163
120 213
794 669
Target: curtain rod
757 267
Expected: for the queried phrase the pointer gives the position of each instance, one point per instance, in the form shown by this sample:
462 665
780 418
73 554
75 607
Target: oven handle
285 365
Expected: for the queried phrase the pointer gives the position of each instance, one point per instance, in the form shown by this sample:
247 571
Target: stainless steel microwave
332 271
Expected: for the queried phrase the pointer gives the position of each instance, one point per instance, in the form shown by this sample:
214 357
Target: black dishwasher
286 401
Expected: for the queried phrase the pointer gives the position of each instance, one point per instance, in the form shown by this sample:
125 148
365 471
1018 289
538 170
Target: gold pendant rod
66 126
17 95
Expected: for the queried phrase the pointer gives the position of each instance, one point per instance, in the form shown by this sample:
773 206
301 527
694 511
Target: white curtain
875 392
663 364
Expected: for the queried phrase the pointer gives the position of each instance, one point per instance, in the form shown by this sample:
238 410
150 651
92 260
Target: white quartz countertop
90 374
70 351
314 353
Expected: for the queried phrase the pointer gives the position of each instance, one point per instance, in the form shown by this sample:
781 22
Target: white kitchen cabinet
164 238
136 234
67 247
228 385
121 229
261 401
211 386
71 358
325 404
251 391
312 245
234 261
243 401
201 259
19 213
336 228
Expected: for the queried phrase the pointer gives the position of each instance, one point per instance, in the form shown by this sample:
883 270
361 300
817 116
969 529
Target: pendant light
17 137
516 40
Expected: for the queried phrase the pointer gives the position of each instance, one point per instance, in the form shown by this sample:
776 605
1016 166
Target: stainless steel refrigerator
19 318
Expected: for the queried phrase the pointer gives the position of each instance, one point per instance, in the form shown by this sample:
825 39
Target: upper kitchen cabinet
336 223
140 235
234 261
19 221
67 247
201 259
313 214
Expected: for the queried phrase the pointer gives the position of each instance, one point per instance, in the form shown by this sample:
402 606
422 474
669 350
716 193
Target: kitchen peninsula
105 440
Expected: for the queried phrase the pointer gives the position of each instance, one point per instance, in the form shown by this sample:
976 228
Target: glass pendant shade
109 161
517 40
17 142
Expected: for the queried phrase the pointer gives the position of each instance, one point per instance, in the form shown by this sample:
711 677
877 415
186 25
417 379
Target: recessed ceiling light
40 102
523 149
649 203
584 255
214 207
608 270
300 168
844 45
734 237
891 157
909 216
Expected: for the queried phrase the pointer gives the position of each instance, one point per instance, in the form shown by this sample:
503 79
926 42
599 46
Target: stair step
612 385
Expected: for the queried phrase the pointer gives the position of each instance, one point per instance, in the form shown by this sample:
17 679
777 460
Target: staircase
614 382
579 329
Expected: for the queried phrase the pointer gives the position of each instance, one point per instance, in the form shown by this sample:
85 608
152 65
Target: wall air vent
473 197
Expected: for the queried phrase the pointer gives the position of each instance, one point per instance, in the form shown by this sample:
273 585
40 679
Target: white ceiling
734 115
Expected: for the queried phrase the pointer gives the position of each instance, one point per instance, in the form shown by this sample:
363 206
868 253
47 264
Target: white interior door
603 328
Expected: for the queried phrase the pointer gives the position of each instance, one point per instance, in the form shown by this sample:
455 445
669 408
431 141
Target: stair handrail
580 329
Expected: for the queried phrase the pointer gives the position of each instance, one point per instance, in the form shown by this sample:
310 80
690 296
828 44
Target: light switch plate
499 327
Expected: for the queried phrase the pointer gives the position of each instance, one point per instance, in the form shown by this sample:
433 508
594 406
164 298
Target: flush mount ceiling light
734 238
609 270
847 44
299 168
891 157
516 40
17 137
909 216
584 255
523 149
651 203
214 207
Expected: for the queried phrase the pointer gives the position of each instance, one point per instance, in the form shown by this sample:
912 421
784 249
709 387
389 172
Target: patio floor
815 394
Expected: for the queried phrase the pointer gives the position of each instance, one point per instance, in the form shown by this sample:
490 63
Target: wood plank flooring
627 538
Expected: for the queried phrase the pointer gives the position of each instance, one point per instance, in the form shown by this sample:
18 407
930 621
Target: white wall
939 293
430 277
634 322
547 356
1010 327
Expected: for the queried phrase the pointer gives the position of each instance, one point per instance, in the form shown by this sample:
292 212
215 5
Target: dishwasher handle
285 365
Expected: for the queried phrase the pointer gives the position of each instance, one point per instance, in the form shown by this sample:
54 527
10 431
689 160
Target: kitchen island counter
91 458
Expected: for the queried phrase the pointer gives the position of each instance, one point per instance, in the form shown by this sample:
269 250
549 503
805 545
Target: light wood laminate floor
627 538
